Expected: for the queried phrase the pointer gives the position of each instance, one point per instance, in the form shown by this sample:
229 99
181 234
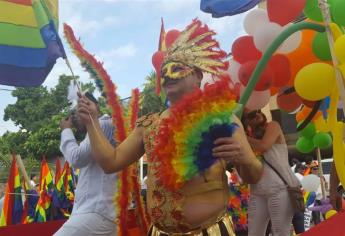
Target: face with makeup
179 79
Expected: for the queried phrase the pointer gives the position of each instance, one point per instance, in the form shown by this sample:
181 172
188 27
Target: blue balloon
220 8
324 106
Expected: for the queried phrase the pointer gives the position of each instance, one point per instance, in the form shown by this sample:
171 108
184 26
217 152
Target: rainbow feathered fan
185 139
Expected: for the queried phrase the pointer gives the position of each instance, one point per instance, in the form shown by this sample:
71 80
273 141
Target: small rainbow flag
12 209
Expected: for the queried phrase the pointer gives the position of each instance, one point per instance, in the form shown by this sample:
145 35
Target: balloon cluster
263 26
310 138
303 60
300 71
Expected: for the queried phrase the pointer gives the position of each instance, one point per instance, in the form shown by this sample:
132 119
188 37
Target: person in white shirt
299 171
33 179
93 211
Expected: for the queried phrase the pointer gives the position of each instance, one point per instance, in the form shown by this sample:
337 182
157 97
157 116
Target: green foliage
13 142
38 112
149 101
46 140
35 107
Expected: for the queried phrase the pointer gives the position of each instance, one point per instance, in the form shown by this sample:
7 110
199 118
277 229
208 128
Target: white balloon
254 20
233 69
265 35
207 78
310 183
258 99
291 43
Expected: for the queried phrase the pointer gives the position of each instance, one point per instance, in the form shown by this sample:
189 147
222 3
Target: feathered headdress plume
105 84
193 48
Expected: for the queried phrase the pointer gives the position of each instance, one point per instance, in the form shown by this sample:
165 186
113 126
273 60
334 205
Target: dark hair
298 167
259 130
91 97
32 176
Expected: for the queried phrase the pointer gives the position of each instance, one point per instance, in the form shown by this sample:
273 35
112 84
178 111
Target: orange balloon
303 114
274 90
303 55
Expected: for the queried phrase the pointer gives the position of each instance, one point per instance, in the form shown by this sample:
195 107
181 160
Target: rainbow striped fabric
13 206
42 211
29 43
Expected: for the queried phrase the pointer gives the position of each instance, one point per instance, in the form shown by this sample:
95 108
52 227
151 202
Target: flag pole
22 169
324 7
322 180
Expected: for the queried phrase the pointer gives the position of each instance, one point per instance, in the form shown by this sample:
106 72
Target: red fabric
48 228
333 226
22 2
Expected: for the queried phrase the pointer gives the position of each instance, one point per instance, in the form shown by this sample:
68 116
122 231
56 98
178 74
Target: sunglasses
315 168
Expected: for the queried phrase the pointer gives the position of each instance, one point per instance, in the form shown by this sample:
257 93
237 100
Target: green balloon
338 11
322 140
304 145
321 47
309 131
312 10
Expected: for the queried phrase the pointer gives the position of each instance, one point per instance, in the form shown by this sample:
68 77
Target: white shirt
299 176
143 184
95 189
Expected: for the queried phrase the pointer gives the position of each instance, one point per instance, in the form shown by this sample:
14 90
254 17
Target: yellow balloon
330 213
321 125
339 48
339 151
336 31
315 81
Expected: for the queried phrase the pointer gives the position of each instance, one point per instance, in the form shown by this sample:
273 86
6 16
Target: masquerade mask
176 70
192 48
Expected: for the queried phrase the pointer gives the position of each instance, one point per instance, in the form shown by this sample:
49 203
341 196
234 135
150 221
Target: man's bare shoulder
146 120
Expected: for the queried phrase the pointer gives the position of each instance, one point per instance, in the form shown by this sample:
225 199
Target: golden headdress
181 53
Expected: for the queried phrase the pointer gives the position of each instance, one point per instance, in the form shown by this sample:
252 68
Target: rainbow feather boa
238 205
184 141
128 178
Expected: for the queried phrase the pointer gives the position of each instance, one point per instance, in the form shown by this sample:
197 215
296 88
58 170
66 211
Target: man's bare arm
251 170
115 159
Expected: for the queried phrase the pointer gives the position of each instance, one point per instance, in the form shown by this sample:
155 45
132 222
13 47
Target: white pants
87 224
276 207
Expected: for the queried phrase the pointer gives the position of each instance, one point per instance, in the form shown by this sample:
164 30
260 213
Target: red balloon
308 103
244 50
265 79
288 102
157 60
284 11
237 89
280 66
171 36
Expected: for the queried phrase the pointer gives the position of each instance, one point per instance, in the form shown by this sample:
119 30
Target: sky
124 35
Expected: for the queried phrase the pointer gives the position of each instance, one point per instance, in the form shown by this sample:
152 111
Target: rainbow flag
57 170
69 183
29 42
13 207
60 199
43 207
46 178
31 199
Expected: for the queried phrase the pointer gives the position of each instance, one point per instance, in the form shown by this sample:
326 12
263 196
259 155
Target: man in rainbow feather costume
188 145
